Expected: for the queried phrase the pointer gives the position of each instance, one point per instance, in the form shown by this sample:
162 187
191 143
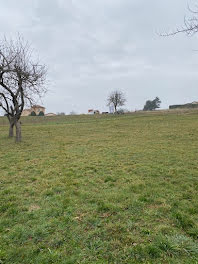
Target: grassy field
100 189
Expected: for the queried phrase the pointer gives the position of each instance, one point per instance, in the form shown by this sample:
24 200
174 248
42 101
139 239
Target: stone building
37 109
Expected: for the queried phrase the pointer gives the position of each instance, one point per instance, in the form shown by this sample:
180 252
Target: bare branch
116 99
22 78
190 26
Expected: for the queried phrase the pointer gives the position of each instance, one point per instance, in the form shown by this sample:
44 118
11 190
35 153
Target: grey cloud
95 46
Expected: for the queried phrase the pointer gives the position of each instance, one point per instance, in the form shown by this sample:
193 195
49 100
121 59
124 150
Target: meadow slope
100 189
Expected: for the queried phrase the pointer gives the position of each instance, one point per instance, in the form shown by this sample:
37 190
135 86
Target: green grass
100 189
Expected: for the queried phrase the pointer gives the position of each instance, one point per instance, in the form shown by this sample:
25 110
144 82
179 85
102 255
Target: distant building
90 111
26 112
93 112
185 106
50 114
37 109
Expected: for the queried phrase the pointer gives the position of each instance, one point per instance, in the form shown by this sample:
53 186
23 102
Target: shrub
41 114
33 113
120 111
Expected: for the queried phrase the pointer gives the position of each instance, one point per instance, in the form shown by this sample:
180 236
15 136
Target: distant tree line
61 114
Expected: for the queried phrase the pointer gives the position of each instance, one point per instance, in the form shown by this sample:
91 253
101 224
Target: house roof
37 106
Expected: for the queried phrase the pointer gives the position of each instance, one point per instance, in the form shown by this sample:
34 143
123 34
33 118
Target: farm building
93 112
184 106
35 110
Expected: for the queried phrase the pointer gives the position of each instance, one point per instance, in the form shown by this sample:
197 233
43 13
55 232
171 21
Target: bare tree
22 80
190 26
116 98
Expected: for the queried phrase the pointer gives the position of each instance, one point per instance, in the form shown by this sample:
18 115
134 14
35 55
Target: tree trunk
11 130
18 131
115 109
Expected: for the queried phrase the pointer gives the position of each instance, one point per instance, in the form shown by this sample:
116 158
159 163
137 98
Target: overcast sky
93 47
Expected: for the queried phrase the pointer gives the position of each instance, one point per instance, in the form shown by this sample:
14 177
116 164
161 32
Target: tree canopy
151 105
